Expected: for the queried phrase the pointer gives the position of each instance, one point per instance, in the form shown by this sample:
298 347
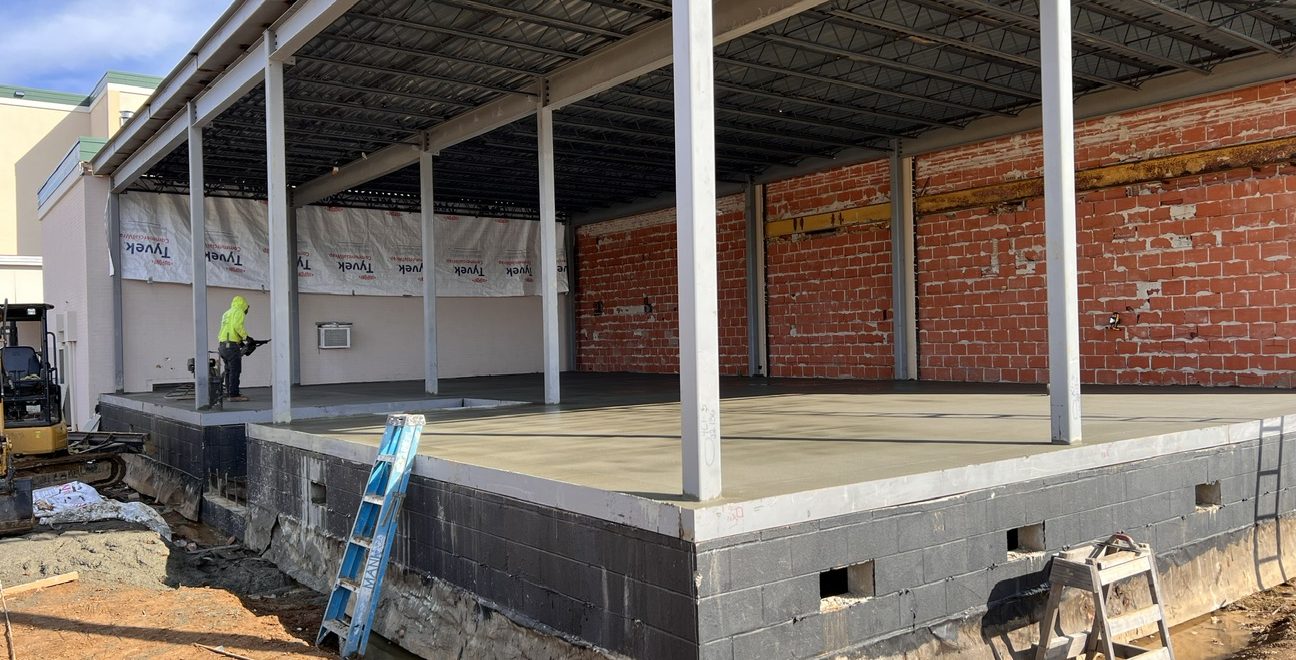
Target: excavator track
102 468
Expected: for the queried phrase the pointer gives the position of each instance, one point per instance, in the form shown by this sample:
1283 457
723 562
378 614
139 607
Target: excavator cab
33 395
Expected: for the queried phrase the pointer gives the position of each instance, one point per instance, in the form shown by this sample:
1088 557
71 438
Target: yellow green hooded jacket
232 321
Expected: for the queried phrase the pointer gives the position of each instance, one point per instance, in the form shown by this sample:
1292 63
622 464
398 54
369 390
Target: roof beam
960 44
901 66
872 89
612 65
1202 22
290 32
1086 37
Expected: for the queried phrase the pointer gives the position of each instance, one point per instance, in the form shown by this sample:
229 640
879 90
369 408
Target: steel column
1060 221
548 254
280 269
428 221
118 319
755 278
695 184
294 301
198 260
904 322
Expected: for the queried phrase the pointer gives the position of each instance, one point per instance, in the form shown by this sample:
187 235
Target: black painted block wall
617 587
200 452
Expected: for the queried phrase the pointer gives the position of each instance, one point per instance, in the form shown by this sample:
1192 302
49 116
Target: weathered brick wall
1196 266
625 262
829 294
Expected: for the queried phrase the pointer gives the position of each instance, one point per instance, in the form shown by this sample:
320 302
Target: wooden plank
1254 154
1128 651
1121 571
1135 620
42 583
1063 647
1071 574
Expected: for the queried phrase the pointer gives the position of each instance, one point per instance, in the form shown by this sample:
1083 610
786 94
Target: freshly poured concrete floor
620 432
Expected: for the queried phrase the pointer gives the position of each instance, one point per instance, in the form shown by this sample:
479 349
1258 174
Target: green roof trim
136 79
72 98
89 146
42 95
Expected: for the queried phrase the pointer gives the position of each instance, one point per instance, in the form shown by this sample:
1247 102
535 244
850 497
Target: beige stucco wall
475 336
77 283
34 137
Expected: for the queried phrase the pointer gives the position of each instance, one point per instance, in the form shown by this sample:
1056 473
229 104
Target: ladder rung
1124 570
373 499
1155 654
360 541
348 584
337 628
1134 620
385 458
1062 647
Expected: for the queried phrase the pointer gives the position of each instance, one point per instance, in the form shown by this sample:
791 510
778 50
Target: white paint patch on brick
1183 211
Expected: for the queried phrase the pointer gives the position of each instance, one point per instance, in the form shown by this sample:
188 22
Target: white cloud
57 43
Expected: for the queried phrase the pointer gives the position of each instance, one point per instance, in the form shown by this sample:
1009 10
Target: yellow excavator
37 449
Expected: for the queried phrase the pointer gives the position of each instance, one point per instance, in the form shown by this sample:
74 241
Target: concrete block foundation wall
950 560
615 587
1198 267
199 453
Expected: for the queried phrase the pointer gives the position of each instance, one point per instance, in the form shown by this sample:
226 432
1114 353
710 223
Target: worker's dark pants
233 357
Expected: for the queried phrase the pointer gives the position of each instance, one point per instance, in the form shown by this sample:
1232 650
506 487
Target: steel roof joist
874 89
1100 42
624 60
1204 23
964 45
903 66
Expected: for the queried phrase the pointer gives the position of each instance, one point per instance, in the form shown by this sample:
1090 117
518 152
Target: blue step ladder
364 562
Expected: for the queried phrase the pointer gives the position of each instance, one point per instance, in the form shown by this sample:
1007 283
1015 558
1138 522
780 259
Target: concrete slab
309 402
793 448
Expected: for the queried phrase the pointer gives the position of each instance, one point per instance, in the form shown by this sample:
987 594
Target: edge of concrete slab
228 417
712 522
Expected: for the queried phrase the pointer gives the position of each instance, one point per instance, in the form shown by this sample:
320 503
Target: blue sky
66 45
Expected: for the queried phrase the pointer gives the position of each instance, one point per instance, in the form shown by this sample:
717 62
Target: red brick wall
829 294
624 261
1198 267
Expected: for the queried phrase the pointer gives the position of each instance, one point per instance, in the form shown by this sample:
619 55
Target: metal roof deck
847 76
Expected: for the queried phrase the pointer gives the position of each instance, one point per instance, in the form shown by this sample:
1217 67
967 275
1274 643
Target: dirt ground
140 597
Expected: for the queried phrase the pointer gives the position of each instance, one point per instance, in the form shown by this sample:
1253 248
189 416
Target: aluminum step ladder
1096 569
364 562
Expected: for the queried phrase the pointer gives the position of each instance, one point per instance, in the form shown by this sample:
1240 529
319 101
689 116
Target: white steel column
1060 221
427 217
294 300
118 319
548 253
198 249
699 340
280 269
904 322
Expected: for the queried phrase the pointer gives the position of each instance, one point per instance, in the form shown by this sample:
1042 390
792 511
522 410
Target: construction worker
232 336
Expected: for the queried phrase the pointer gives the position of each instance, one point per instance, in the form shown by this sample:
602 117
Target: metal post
548 254
198 259
428 220
280 269
569 256
755 279
1060 221
119 319
699 340
904 322
294 302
